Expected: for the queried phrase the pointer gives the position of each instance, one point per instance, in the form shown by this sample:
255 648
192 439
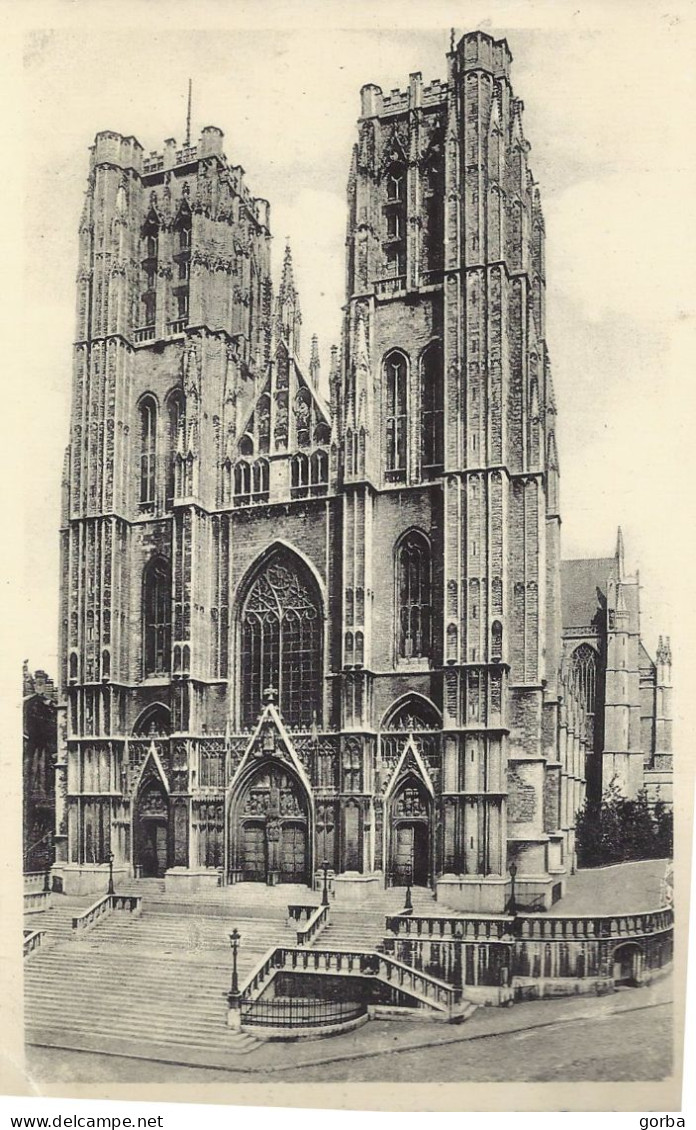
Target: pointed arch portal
269 823
410 854
151 828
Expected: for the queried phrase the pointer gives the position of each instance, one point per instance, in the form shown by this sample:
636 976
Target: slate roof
580 581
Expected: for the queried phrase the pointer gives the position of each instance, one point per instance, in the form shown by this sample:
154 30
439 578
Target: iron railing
293 1012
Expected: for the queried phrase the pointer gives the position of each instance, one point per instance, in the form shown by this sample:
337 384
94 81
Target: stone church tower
295 631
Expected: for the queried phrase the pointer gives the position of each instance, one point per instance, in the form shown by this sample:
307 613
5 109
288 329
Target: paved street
621 1037
620 1047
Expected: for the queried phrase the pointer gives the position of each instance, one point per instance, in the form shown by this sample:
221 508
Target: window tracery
433 220
319 471
156 617
432 411
584 675
281 643
413 570
299 476
175 429
150 251
395 222
396 382
148 451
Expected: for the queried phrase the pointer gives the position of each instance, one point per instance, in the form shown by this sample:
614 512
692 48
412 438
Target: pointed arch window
413 592
259 480
150 252
395 221
155 720
432 412
242 483
584 673
319 472
175 430
182 260
157 615
281 643
263 422
148 451
396 385
433 229
299 476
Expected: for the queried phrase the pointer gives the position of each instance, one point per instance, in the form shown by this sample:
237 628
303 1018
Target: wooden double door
270 831
268 860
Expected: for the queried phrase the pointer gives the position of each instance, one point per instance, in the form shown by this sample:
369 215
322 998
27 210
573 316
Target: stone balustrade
443 926
36 901
301 912
430 991
105 906
585 927
317 922
545 927
32 940
36 881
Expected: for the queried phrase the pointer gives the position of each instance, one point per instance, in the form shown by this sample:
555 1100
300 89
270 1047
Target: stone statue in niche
411 803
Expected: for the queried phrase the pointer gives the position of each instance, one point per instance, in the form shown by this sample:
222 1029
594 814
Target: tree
664 830
618 829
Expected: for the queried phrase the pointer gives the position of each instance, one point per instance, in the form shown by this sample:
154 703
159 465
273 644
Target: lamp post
325 889
234 994
408 905
512 905
110 861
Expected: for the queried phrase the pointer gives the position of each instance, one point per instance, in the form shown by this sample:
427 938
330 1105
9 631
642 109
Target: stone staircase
57 922
154 984
362 927
151 984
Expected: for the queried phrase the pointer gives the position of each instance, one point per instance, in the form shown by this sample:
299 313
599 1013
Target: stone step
118 996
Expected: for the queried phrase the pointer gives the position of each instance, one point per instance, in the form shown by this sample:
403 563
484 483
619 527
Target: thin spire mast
188 116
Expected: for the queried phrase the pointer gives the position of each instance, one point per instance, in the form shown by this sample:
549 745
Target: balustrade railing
102 908
528 927
315 924
144 333
449 927
584 927
36 880
32 940
394 284
35 901
301 912
427 989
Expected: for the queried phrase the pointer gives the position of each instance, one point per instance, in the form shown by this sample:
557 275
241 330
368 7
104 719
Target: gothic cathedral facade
300 629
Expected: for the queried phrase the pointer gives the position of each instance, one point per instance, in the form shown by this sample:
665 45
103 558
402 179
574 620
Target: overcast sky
604 113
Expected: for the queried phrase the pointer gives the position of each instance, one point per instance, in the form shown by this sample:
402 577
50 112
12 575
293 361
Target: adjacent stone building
626 694
40 741
298 630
